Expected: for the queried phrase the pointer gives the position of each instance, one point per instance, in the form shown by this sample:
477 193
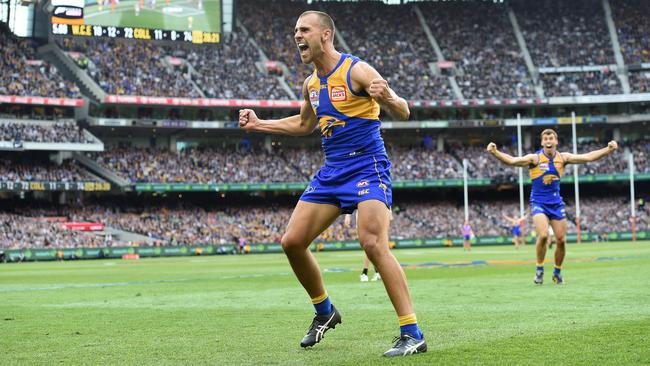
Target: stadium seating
23 74
179 224
20 168
228 165
485 66
58 132
485 51
140 70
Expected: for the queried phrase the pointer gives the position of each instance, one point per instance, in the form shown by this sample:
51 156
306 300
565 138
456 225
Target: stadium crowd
486 52
140 70
23 74
190 224
22 170
561 33
477 38
579 84
400 51
254 164
199 165
633 29
639 81
275 34
20 231
229 71
58 132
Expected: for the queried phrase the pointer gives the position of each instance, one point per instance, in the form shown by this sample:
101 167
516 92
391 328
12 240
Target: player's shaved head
548 131
324 19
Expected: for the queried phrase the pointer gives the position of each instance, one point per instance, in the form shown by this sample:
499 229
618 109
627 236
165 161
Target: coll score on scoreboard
195 36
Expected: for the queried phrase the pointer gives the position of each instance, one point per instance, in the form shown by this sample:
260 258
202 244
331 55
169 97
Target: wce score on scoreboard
97 31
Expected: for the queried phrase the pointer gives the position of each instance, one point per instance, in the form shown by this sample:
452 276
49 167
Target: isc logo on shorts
338 94
363 192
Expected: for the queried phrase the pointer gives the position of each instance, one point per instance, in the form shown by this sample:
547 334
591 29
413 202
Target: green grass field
172 16
251 310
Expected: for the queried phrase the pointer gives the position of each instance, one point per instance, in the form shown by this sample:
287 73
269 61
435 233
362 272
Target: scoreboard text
85 30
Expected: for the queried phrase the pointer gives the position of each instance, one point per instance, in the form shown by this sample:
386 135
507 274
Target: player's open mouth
548 146
303 47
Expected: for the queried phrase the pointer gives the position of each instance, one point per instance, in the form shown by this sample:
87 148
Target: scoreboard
135 33
193 21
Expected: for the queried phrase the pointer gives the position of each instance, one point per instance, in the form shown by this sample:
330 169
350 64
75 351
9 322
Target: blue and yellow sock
540 267
556 270
322 304
409 324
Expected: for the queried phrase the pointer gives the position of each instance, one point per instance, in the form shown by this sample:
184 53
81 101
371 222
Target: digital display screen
195 21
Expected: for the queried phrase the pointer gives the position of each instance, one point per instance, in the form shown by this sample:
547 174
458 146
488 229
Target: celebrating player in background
343 97
516 224
546 168
467 236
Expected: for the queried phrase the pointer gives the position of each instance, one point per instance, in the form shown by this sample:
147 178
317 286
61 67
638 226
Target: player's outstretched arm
365 77
298 125
590 156
523 161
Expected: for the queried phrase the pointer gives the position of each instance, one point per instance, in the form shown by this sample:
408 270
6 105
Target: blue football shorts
554 211
360 178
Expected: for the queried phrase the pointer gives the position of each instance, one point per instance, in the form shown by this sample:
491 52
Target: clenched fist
612 145
247 119
492 148
379 90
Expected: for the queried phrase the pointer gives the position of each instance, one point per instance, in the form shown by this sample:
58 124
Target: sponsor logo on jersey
338 94
543 167
362 183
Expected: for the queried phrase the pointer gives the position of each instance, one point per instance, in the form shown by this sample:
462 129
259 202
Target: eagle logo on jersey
548 179
327 124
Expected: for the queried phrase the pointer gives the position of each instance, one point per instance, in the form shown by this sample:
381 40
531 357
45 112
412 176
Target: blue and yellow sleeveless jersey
348 119
545 178
356 165
545 193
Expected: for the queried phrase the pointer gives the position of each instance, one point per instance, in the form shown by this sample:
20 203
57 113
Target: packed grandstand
467 69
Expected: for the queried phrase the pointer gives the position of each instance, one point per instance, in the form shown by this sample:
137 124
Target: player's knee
371 245
290 243
543 237
560 241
